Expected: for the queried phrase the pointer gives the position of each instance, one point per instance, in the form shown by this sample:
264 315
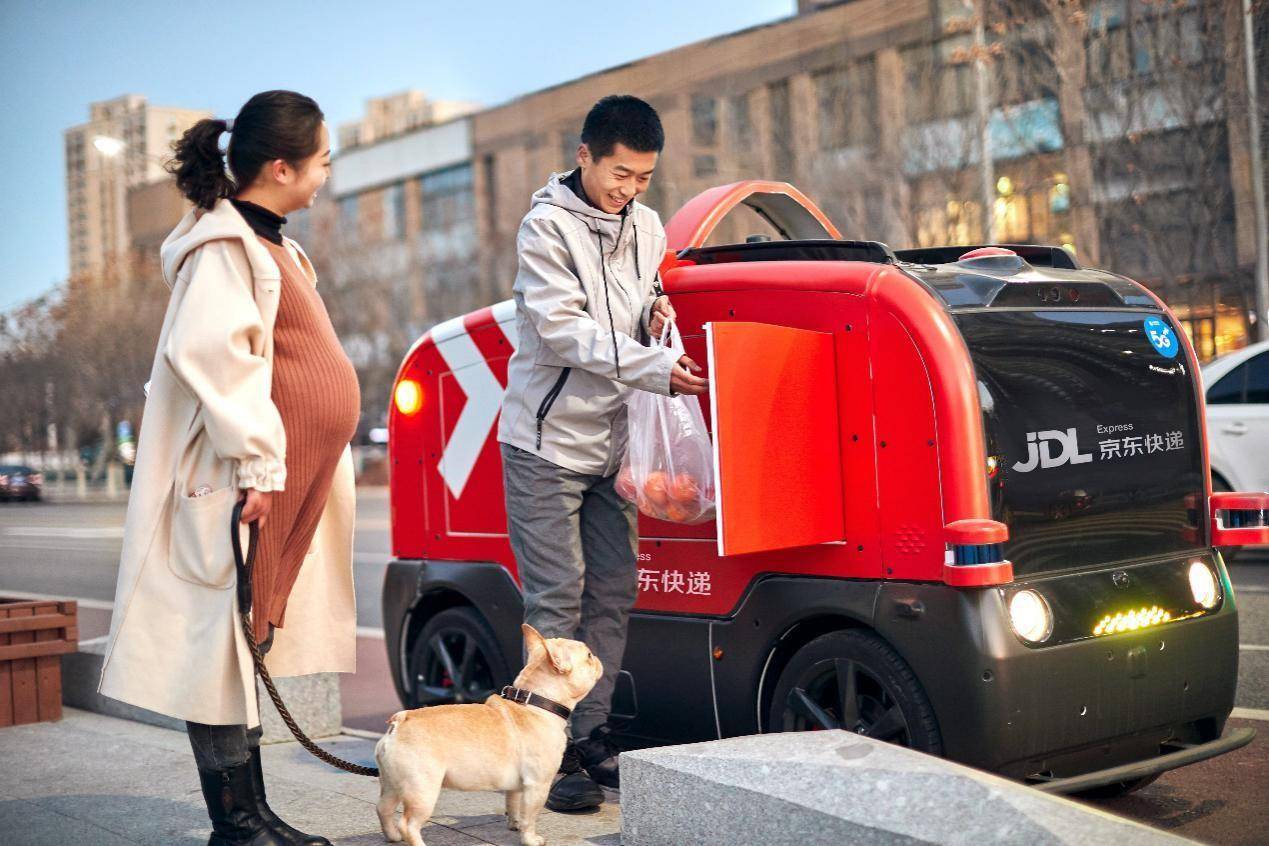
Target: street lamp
107 146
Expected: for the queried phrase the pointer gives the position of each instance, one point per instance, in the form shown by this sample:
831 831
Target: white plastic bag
668 470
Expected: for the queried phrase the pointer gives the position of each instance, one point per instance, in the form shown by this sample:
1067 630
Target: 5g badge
1161 337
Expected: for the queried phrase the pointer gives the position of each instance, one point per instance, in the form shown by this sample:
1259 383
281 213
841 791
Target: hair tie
229 125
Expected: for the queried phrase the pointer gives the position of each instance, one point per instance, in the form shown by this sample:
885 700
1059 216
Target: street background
1130 133
71 550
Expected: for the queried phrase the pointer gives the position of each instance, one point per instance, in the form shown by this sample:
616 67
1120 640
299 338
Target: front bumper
1186 754
1082 708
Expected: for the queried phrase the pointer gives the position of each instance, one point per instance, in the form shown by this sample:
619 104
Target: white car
1237 390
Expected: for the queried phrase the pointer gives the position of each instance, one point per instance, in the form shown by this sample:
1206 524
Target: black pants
223 747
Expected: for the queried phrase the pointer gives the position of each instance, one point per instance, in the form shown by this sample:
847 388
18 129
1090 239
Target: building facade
397 114
1117 128
121 147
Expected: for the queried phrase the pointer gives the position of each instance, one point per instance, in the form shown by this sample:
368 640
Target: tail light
408 397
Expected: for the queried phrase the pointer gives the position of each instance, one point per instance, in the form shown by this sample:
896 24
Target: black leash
245 569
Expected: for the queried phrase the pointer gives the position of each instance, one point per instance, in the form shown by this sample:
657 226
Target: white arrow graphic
484 394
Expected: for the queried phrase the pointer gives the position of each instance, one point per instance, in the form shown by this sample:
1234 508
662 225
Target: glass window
569 142
847 106
1258 379
1228 390
394 212
781 138
348 214
448 211
918 72
704 120
741 121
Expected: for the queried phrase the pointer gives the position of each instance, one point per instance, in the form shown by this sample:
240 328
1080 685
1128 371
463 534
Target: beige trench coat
176 646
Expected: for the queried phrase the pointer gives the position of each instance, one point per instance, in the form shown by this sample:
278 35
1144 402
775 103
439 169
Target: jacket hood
556 193
200 226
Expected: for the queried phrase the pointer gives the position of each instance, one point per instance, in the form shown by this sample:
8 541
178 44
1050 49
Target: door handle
1235 428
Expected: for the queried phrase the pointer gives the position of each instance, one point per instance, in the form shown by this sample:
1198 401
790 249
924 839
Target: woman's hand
257 507
661 312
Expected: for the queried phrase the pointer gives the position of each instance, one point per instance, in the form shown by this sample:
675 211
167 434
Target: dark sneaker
599 757
574 790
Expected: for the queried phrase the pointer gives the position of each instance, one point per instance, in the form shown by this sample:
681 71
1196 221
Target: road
71 550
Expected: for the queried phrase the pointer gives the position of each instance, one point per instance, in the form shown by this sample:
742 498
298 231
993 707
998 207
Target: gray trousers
575 541
226 746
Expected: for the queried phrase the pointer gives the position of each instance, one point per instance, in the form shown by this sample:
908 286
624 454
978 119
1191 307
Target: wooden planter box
33 637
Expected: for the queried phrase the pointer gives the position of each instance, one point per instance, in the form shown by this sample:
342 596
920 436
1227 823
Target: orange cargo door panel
777 449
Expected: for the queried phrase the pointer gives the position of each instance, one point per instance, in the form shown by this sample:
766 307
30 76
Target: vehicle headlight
1030 616
1203 585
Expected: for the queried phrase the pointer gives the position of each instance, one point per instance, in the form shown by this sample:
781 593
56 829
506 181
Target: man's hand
661 312
683 382
257 507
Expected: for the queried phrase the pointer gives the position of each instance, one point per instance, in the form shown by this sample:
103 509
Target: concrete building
396 114
1117 128
154 209
121 147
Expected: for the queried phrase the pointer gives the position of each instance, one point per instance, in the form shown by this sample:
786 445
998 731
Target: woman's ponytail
271 125
199 166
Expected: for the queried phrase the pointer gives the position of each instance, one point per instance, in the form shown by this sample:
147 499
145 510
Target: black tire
889 702
1117 789
1229 553
455 659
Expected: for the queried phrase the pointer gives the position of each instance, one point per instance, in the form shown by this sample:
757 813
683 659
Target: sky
57 56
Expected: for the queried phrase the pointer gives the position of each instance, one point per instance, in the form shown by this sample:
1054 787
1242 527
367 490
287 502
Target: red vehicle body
885 429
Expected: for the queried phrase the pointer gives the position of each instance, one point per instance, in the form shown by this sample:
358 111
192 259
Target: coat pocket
200 550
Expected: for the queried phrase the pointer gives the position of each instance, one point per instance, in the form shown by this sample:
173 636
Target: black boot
231 804
599 756
289 833
575 791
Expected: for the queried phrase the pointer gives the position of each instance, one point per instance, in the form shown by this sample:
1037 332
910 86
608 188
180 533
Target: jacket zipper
548 401
603 269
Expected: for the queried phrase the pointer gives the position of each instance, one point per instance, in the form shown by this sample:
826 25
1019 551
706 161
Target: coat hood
200 226
557 193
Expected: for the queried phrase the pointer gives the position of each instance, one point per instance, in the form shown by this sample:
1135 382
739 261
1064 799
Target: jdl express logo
1052 448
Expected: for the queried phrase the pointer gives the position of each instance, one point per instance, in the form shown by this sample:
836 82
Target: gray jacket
578 321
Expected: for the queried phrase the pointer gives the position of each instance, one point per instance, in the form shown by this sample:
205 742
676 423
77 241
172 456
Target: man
586 291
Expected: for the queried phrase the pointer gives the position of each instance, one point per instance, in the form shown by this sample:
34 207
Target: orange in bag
685 489
676 513
656 488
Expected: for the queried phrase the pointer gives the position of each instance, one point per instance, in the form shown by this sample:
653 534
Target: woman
251 396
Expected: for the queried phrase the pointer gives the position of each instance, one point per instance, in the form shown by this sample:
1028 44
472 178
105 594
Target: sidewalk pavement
101 780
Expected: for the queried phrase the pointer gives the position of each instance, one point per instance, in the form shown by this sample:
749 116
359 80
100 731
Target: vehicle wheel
455 659
855 681
1117 789
1227 552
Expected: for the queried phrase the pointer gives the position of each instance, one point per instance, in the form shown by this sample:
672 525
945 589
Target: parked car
1237 390
17 481
963 506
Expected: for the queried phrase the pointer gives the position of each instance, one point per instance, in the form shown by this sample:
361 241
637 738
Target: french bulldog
503 744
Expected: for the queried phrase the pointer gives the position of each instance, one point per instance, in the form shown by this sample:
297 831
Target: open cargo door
777 447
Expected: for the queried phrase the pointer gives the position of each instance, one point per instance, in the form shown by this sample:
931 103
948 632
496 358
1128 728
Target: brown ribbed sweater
315 390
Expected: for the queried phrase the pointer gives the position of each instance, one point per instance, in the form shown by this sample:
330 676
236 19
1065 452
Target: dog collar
528 697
